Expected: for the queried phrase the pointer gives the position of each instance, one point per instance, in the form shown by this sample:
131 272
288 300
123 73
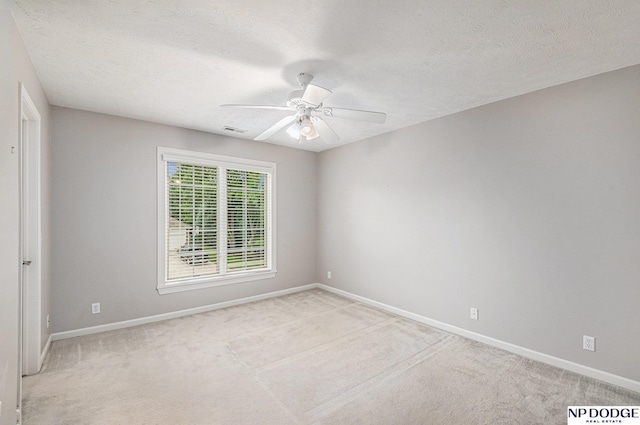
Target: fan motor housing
295 98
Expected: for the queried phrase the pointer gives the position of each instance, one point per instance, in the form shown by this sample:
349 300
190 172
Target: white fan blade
355 114
315 95
276 127
277 108
323 129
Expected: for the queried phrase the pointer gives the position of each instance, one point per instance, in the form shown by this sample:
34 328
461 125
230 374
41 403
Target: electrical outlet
473 313
588 343
328 275
95 308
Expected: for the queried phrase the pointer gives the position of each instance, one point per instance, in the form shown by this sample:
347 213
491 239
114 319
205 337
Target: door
30 241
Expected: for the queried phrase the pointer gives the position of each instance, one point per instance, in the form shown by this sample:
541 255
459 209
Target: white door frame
30 235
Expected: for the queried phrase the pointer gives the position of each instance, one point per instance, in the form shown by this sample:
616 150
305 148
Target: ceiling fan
306 123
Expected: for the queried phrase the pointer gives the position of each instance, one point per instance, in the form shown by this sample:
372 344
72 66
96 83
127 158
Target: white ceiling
175 62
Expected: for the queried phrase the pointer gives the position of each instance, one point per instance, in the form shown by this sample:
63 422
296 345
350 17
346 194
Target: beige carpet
305 358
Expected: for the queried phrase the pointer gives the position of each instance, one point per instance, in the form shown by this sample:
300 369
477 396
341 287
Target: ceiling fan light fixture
314 135
294 131
306 128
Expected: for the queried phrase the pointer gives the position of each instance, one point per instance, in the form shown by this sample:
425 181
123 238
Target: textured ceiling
175 62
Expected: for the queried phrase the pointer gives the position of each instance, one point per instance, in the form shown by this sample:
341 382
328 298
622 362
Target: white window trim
206 159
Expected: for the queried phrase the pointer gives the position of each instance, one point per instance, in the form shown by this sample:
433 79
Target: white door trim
31 234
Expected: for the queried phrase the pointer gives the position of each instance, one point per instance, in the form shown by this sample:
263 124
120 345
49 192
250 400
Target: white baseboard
175 314
512 348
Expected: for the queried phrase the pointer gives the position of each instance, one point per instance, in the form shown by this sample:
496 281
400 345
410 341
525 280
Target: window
215 220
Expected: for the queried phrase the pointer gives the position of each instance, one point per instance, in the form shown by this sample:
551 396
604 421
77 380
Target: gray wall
527 209
15 68
104 217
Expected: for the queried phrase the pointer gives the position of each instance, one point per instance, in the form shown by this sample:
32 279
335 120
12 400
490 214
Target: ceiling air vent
235 130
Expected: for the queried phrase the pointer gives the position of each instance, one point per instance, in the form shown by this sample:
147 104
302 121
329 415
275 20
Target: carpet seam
335 403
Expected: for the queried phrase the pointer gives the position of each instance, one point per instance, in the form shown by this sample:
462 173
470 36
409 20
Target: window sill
210 282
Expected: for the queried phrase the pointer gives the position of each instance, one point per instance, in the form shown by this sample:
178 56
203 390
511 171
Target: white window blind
192 225
246 220
215 220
